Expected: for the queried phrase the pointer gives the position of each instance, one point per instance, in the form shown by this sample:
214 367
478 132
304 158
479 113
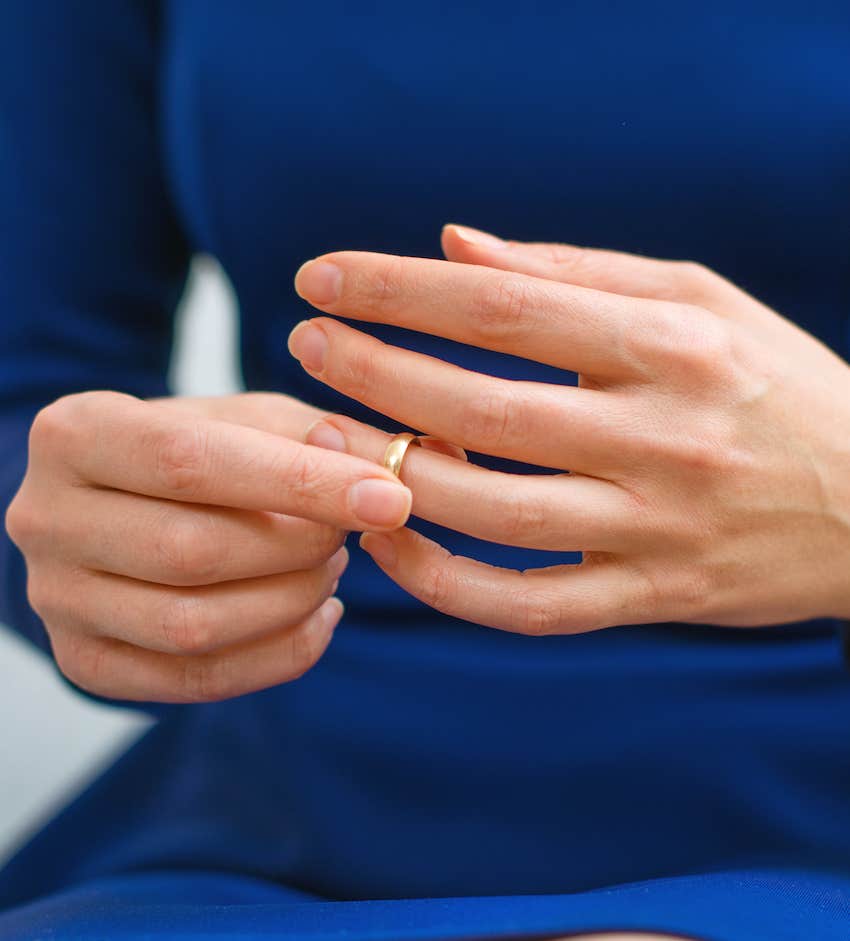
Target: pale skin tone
189 550
708 444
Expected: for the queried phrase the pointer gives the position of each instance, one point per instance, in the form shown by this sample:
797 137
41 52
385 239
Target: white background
53 741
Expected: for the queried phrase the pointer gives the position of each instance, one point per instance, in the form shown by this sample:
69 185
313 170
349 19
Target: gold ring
396 449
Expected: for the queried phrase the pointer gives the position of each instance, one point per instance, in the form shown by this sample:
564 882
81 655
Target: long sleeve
92 260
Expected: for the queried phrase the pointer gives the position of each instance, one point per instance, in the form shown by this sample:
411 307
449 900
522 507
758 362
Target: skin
188 550
703 462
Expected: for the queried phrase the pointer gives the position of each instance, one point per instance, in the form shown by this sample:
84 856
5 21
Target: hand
186 550
707 442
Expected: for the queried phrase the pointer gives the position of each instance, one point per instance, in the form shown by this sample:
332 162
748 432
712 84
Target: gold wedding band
396 449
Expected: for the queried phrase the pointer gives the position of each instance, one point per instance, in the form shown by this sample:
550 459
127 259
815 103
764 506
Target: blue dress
430 778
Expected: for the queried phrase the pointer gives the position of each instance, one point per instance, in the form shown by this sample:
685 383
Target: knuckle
23 523
320 543
304 473
683 450
307 646
500 307
673 594
384 287
661 335
686 339
55 423
712 342
189 551
207 679
81 660
704 456
537 615
690 593
693 277
701 459
65 421
488 416
185 623
651 594
438 587
521 517
389 279
580 260
40 594
179 457
357 369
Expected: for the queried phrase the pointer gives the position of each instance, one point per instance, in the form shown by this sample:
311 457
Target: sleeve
92 259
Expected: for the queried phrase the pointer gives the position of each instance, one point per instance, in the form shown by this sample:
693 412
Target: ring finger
560 512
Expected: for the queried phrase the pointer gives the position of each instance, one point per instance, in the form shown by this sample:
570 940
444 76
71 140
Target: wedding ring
396 449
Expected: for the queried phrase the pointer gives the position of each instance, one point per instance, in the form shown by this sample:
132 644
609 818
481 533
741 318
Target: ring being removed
396 450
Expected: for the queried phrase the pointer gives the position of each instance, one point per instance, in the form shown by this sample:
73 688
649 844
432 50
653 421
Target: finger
606 270
117 441
437 445
572 327
567 513
121 671
184 544
267 411
559 599
602 269
193 620
291 421
554 426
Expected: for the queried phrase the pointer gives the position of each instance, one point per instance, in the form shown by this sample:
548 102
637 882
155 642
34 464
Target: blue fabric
483 784
774 906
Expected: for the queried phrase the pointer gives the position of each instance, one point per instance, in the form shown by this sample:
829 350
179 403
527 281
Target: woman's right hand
185 550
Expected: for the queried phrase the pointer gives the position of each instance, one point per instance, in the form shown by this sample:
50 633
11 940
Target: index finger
564 325
117 441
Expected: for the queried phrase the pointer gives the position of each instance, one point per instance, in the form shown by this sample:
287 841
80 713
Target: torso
425 756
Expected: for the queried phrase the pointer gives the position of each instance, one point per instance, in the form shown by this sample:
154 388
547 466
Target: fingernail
381 549
477 237
337 562
380 502
323 435
330 612
308 344
319 282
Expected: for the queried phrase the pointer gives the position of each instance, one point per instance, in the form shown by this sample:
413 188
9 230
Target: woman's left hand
706 450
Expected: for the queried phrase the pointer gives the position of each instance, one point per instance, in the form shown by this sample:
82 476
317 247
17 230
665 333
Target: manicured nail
330 612
477 237
337 562
319 282
380 503
309 344
381 549
323 435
